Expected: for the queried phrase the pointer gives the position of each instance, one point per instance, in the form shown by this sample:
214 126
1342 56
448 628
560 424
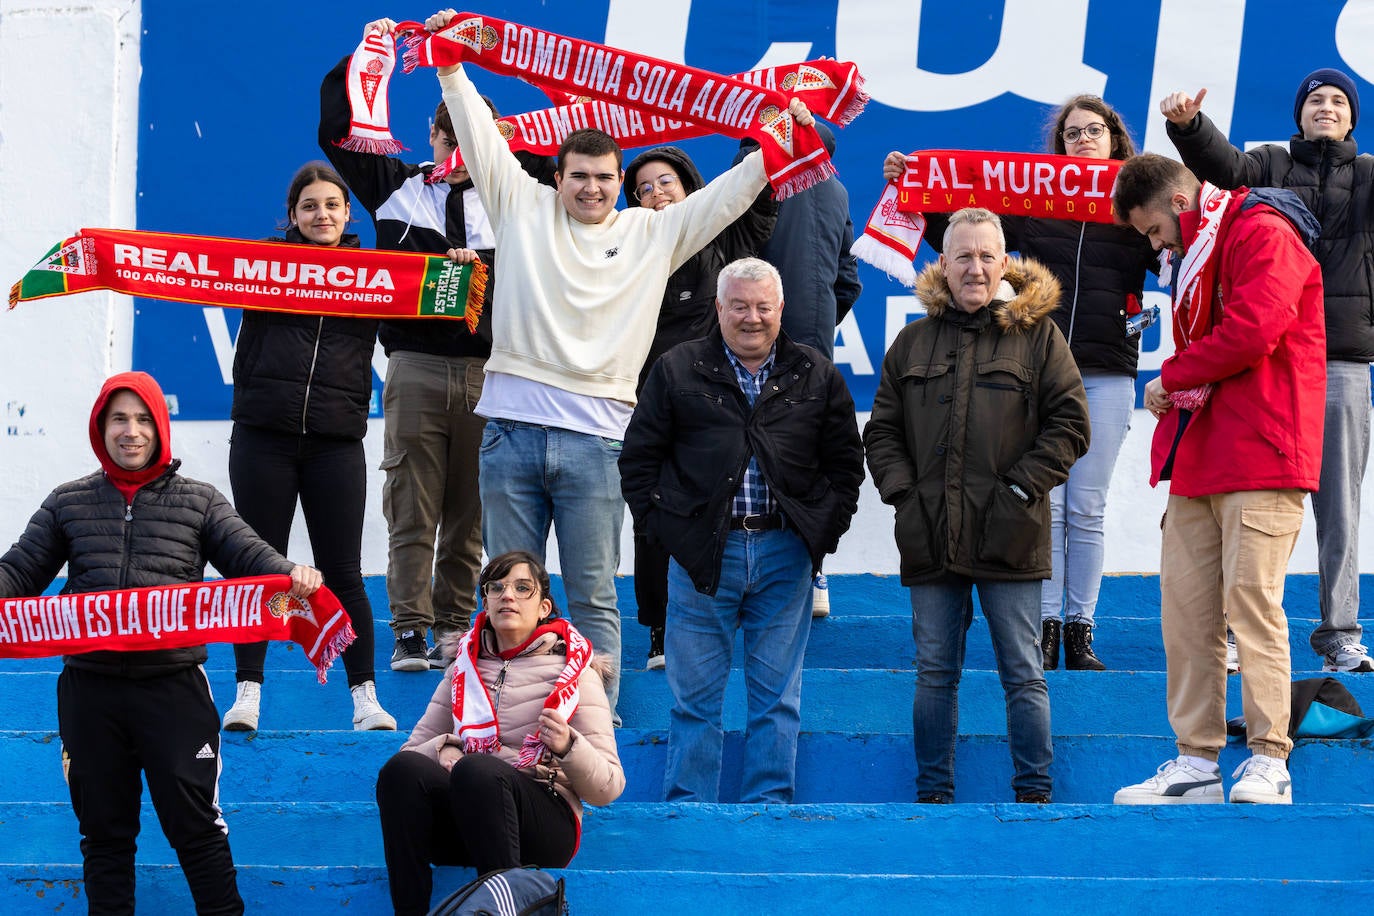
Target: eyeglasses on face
1093 131
523 588
665 183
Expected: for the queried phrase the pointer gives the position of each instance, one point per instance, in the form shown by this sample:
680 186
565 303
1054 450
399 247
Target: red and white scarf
1013 184
831 89
474 718
252 609
1195 305
794 157
369 73
267 276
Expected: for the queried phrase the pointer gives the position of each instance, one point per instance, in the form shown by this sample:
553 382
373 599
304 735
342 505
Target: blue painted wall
229 103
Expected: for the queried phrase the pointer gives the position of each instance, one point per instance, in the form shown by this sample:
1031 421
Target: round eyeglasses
521 587
1091 131
665 183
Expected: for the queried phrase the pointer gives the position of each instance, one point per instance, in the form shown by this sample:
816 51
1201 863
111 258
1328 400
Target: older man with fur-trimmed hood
979 413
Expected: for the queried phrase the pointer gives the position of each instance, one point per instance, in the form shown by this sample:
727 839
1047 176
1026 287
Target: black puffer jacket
689 299
1337 185
693 432
166 536
1100 268
304 374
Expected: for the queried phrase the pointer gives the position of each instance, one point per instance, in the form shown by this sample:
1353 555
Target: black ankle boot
1049 642
1078 648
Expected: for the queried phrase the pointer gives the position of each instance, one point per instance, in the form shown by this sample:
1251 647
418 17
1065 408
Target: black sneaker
656 660
437 662
1032 798
411 652
933 798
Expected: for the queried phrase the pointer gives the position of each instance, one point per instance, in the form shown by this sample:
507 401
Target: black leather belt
756 522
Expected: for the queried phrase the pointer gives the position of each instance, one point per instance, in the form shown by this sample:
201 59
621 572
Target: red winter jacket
1265 354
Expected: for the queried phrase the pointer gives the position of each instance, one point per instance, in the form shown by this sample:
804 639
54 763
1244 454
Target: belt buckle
759 520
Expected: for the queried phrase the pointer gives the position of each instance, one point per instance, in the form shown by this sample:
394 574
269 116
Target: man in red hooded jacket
1241 405
122 715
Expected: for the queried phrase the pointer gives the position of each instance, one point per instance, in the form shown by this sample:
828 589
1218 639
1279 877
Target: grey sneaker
1232 654
411 653
1350 657
1176 782
1265 782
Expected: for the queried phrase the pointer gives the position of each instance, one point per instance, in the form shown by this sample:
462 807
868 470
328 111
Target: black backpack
1322 708
507 892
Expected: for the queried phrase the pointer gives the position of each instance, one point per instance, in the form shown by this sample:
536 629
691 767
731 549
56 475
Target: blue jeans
765 581
941 612
1079 505
1336 506
536 476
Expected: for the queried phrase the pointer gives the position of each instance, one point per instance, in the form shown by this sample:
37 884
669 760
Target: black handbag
507 892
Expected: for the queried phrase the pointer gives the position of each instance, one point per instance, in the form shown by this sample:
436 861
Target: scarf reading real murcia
244 610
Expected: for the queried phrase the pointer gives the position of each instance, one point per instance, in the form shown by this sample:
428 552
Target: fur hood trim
1029 292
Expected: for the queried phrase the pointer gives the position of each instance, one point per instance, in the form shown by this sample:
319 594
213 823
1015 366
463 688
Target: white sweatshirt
575 305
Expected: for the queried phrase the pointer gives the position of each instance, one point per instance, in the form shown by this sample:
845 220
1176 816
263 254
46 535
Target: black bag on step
506 892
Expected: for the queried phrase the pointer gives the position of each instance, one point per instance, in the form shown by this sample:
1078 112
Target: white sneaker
1266 782
243 715
820 596
368 714
1350 657
1176 782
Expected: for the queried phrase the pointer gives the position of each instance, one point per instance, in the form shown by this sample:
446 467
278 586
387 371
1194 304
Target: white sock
1200 763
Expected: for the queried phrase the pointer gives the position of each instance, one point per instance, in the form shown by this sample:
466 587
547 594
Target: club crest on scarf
474 34
285 605
806 79
779 124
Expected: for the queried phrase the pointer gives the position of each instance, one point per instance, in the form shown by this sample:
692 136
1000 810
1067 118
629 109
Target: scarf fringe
488 745
871 251
532 752
388 146
857 104
477 296
784 188
332 650
14 292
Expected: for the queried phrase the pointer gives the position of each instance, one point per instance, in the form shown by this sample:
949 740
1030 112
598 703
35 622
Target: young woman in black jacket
302 385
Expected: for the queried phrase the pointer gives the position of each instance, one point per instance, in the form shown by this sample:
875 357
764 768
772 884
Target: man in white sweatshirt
574 310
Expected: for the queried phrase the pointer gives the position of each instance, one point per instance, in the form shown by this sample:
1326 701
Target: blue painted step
315 766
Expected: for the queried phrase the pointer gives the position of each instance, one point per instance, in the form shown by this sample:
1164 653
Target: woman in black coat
302 385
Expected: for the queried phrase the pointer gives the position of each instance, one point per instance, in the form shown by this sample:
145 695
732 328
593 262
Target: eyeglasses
1093 132
665 183
523 588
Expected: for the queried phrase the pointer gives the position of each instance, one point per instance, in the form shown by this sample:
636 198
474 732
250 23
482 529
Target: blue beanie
1327 77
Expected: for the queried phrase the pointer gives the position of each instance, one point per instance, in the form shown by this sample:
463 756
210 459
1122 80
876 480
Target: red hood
148 390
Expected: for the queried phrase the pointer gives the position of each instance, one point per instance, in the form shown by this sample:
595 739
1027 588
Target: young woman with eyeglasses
516 737
1101 269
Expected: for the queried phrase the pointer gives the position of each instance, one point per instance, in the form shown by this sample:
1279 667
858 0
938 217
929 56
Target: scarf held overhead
244 610
1011 184
832 89
269 276
369 74
794 157
474 718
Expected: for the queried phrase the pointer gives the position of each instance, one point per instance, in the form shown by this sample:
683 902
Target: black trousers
167 728
484 813
651 581
268 472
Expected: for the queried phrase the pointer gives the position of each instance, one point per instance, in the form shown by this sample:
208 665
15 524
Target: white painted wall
68 149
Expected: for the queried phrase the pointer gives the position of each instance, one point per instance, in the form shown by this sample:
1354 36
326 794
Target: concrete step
837 700
313 767
1105 841
56 889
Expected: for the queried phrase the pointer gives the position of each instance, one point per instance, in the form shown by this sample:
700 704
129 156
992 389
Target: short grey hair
973 216
747 269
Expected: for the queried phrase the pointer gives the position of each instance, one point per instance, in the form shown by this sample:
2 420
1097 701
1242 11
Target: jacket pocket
912 531
1011 530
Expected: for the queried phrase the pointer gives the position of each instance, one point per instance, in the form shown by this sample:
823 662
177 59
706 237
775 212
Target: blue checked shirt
753 497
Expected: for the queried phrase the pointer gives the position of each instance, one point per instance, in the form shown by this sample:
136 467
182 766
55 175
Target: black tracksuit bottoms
165 727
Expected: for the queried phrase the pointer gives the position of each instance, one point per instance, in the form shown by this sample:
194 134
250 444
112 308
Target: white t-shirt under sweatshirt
575 305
